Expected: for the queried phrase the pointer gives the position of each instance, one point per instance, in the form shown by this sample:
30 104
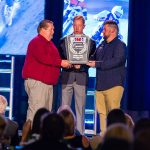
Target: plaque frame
77 48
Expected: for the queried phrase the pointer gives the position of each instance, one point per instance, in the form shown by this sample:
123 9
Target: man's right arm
64 63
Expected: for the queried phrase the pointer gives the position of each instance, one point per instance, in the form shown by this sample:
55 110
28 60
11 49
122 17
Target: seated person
70 138
51 134
114 116
31 134
11 130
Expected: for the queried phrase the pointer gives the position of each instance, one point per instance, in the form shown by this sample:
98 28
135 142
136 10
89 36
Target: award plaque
77 48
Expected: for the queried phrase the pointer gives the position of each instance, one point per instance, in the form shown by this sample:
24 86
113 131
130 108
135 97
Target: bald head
3 104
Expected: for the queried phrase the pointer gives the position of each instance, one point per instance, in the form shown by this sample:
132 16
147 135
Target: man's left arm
117 60
91 55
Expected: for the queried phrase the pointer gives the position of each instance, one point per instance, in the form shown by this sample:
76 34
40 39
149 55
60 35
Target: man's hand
77 66
91 63
65 64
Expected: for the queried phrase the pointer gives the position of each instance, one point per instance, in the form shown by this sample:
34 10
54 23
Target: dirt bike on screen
115 14
8 10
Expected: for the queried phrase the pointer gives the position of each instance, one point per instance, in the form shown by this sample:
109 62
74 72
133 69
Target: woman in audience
115 144
129 121
11 129
114 116
120 131
118 136
31 134
51 134
142 140
37 121
70 138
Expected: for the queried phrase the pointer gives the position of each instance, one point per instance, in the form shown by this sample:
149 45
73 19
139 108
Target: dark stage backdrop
139 55
54 12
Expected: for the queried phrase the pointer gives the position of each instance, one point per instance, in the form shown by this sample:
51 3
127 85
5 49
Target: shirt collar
43 39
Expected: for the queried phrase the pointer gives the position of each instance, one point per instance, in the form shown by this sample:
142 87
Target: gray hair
43 24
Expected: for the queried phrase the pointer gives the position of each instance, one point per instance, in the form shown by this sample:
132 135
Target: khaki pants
106 101
39 95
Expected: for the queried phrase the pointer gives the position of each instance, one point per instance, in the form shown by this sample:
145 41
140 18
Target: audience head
37 120
52 127
64 107
3 104
115 144
66 113
118 136
119 131
116 116
129 121
142 140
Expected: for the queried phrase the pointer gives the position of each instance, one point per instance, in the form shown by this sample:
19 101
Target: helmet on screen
117 11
